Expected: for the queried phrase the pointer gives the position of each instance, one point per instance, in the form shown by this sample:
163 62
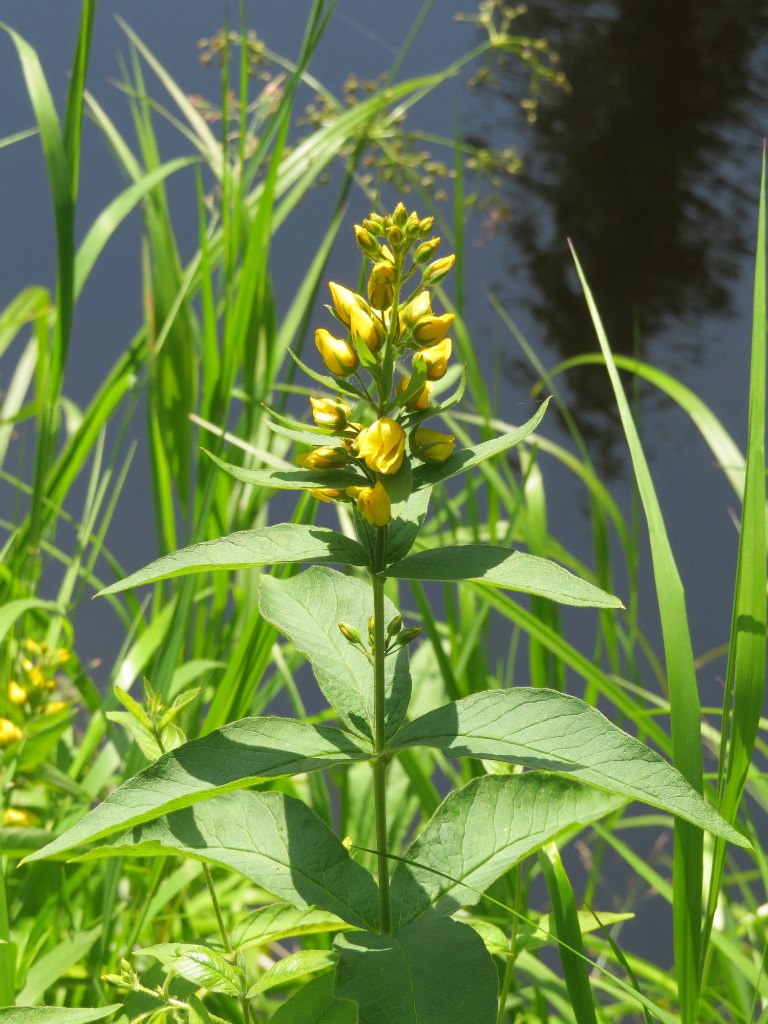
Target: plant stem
379 761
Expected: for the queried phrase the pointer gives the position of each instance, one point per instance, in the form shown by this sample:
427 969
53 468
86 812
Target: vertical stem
379 761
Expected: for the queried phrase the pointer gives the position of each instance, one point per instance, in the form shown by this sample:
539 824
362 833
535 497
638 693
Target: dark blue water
650 164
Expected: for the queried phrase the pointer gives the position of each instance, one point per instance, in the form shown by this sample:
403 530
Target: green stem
379 761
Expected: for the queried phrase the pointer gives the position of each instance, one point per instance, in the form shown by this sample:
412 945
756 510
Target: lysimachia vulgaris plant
401 955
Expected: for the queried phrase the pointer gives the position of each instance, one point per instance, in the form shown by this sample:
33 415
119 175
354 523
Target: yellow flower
431 329
327 494
344 301
15 817
9 733
60 656
436 271
436 357
338 355
382 445
361 324
366 243
330 412
55 705
421 399
372 503
431 445
381 285
420 306
324 457
16 694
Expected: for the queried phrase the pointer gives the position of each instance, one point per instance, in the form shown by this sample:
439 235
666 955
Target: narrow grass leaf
685 709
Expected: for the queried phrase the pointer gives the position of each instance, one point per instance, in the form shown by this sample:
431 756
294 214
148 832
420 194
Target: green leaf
171 736
55 1014
272 545
544 729
468 458
233 757
204 967
13 610
496 567
398 485
481 830
407 520
308 609
296 965
273 839
291 479
315 1003
52 965
21 842
280 921
435 971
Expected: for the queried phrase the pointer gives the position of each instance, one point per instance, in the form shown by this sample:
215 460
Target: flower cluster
28 693
373 427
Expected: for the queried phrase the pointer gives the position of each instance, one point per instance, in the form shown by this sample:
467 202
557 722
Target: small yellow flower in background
9 733
325 457
431 329
330 412
55 705
436 357
338 355
431 445
344 301
381 285
32 646
382 445
421 399
16 694
15 817
372 503
326 494
60 656
362 325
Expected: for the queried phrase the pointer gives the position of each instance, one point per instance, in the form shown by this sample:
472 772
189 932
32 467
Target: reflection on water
649 163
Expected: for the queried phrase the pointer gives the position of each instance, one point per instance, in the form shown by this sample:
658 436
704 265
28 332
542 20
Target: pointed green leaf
291 479
468 458
435 971
272 545
273 839
11 611
281 921
481 830
497 567
232 757
398 485
55 1014
292 967
407 520
204 967
315 1003
546 729
308 609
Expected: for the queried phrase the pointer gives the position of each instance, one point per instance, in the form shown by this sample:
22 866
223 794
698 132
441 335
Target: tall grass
211 349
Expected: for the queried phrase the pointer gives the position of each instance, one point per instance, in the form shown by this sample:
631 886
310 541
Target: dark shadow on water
650 164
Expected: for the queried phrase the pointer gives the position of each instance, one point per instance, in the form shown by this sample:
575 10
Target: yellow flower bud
426 225
426 250
431 329
436 357
382 445
431 445
400 215
330 412
326 494
361 324
16 694
418 307
365 242
9 733
372 503
421 399
338 355
381 285
15 817
324 457
344 301
436 271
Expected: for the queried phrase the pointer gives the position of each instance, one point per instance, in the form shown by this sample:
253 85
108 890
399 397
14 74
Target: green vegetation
428 847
